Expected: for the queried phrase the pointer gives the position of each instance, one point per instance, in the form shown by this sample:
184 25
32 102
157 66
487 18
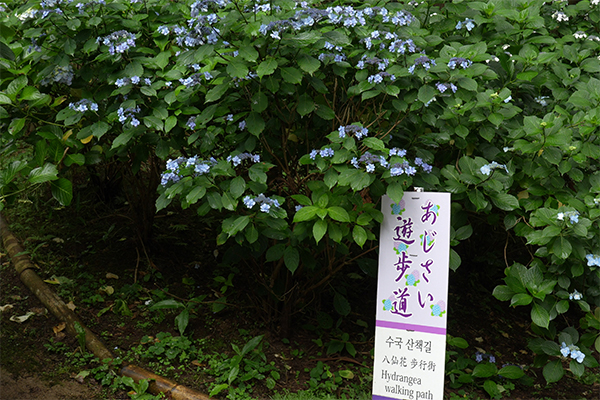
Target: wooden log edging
59 309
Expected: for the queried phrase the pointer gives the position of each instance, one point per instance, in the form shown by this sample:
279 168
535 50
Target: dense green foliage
288 121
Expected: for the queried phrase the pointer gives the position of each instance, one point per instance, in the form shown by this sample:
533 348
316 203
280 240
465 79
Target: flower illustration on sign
398 209
413 279
387 304
400 247
438 310
428 240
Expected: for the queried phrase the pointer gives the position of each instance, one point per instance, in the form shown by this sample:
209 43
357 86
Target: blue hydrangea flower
575 295
84 105
468 23
593 260
242 125
564 349
459 62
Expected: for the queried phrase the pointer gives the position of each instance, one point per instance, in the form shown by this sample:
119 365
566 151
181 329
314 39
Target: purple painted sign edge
378 397
410 327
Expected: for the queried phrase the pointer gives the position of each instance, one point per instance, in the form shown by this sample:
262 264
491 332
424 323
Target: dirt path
34 388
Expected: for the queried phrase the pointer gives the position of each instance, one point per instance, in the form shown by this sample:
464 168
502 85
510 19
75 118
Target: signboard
412 293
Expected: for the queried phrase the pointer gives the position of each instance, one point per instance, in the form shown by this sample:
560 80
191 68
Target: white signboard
412 293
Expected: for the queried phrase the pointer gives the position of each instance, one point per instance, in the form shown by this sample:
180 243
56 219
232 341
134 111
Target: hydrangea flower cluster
459 62
84 105
195 79
592 260
339 56
575 295
426 167
118 42
479 357
369 160
327 152
542 100
82 6
191 122
402 168
422 61
59 74
442 87
468 23
134 80
380 76
128 114
572 215
488 168
174 168
560 16
572 351
358 131
264 202
237 159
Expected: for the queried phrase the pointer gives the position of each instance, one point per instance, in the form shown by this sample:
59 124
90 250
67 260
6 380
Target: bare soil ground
85 247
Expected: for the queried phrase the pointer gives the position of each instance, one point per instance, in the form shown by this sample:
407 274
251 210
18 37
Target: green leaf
426 93
48 172
62 191
491 388
553 371
216 93
266 67
291 75
234 225
305 214
291 257
319 229
562 247
359 234
237 187
540 316
338 213
308 63
170 123
503 293
505 201
306 105
182 320
255 123
521 299
195 194
122 139
484 370
237 69
165 304
248 53
341 304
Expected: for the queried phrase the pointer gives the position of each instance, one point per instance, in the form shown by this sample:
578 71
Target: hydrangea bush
289 120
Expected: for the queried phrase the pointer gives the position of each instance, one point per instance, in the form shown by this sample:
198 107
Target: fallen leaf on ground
479 339
58 240
506 335
112 276
59 327
71 306
6 307
39 310
107 289
22 318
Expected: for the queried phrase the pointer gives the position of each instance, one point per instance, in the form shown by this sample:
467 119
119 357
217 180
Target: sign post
412 293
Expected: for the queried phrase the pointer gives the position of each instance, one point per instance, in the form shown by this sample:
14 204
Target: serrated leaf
266 67
291 75
319 229
341 304
540 316
553 371
359 234
339 214
237 69
291 257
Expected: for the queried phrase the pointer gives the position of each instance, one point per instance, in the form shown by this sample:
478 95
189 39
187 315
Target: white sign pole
412 293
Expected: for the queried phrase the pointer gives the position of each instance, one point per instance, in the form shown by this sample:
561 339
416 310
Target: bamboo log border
59 309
